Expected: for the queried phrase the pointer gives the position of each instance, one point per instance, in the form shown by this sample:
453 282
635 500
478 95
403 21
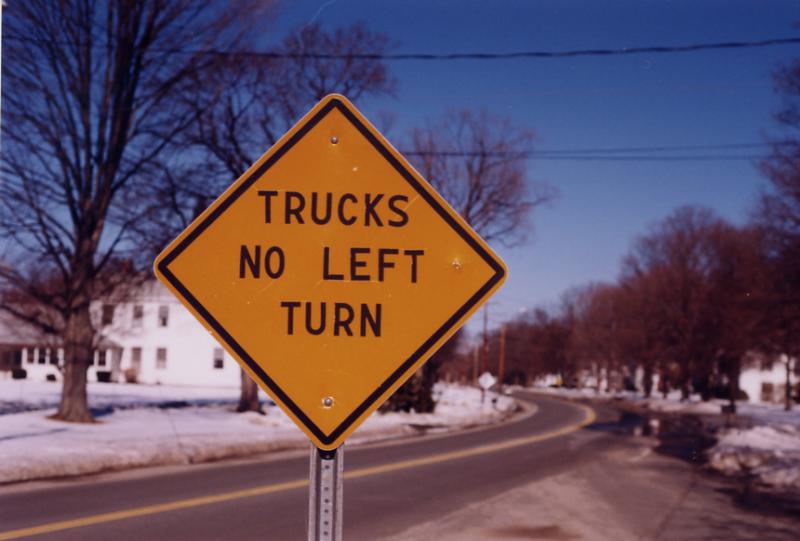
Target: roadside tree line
697 299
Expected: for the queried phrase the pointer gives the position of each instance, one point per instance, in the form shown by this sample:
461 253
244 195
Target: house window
43 356
101 357
767 390
780 392
219 358
161 358
136 358
31 355
53 356
138 315
108 314
163 315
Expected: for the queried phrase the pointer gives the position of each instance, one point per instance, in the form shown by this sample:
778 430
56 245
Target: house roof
15 332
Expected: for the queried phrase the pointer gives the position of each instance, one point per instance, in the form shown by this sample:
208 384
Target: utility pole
475 354
787 405
502 364
485 359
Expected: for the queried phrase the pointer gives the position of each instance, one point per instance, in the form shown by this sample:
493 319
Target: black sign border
163 267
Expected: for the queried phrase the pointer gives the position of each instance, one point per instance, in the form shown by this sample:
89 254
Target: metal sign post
486 381
325 493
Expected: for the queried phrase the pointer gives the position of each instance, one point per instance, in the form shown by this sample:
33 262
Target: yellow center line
589 417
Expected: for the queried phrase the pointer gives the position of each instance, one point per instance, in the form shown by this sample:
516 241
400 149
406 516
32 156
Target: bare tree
676 255
89 105
552 338
691 301
303 78
640 320
476 160
252 99
596 337
737 299
778 214
243 107
695 299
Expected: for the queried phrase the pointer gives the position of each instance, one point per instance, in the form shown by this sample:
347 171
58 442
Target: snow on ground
769 453
142 425
24 395
766 446
671 404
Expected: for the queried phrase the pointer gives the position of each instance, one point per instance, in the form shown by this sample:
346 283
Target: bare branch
474 161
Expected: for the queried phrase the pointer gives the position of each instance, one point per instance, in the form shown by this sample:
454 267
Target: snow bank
770 453
148 426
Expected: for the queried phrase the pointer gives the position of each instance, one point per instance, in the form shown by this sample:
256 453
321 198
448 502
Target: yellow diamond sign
331 270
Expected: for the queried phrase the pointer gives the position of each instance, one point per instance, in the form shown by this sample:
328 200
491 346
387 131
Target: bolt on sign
330 270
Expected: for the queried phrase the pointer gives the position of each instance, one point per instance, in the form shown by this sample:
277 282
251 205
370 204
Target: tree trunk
425 402
733 383
597 379
78 351
248 398
647 382
684 380
706 387
787 404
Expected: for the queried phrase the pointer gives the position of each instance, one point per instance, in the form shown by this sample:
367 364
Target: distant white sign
486 380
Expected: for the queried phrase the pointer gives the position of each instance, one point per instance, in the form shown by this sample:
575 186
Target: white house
150 339
156 340
22 346
768 385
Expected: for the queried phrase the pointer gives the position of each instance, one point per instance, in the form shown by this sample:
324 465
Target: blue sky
703 98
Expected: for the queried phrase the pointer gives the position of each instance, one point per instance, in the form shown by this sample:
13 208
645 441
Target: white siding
755 382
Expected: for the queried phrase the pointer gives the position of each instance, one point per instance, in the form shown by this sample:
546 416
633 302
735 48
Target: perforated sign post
331 271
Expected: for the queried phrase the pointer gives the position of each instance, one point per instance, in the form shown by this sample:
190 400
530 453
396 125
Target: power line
651 49
655 49
584 157
532 155
657 153
711 158
664 148
586 154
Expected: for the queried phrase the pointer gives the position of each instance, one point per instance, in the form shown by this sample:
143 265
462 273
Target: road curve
388 487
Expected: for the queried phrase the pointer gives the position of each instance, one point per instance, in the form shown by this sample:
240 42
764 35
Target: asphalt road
388 487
